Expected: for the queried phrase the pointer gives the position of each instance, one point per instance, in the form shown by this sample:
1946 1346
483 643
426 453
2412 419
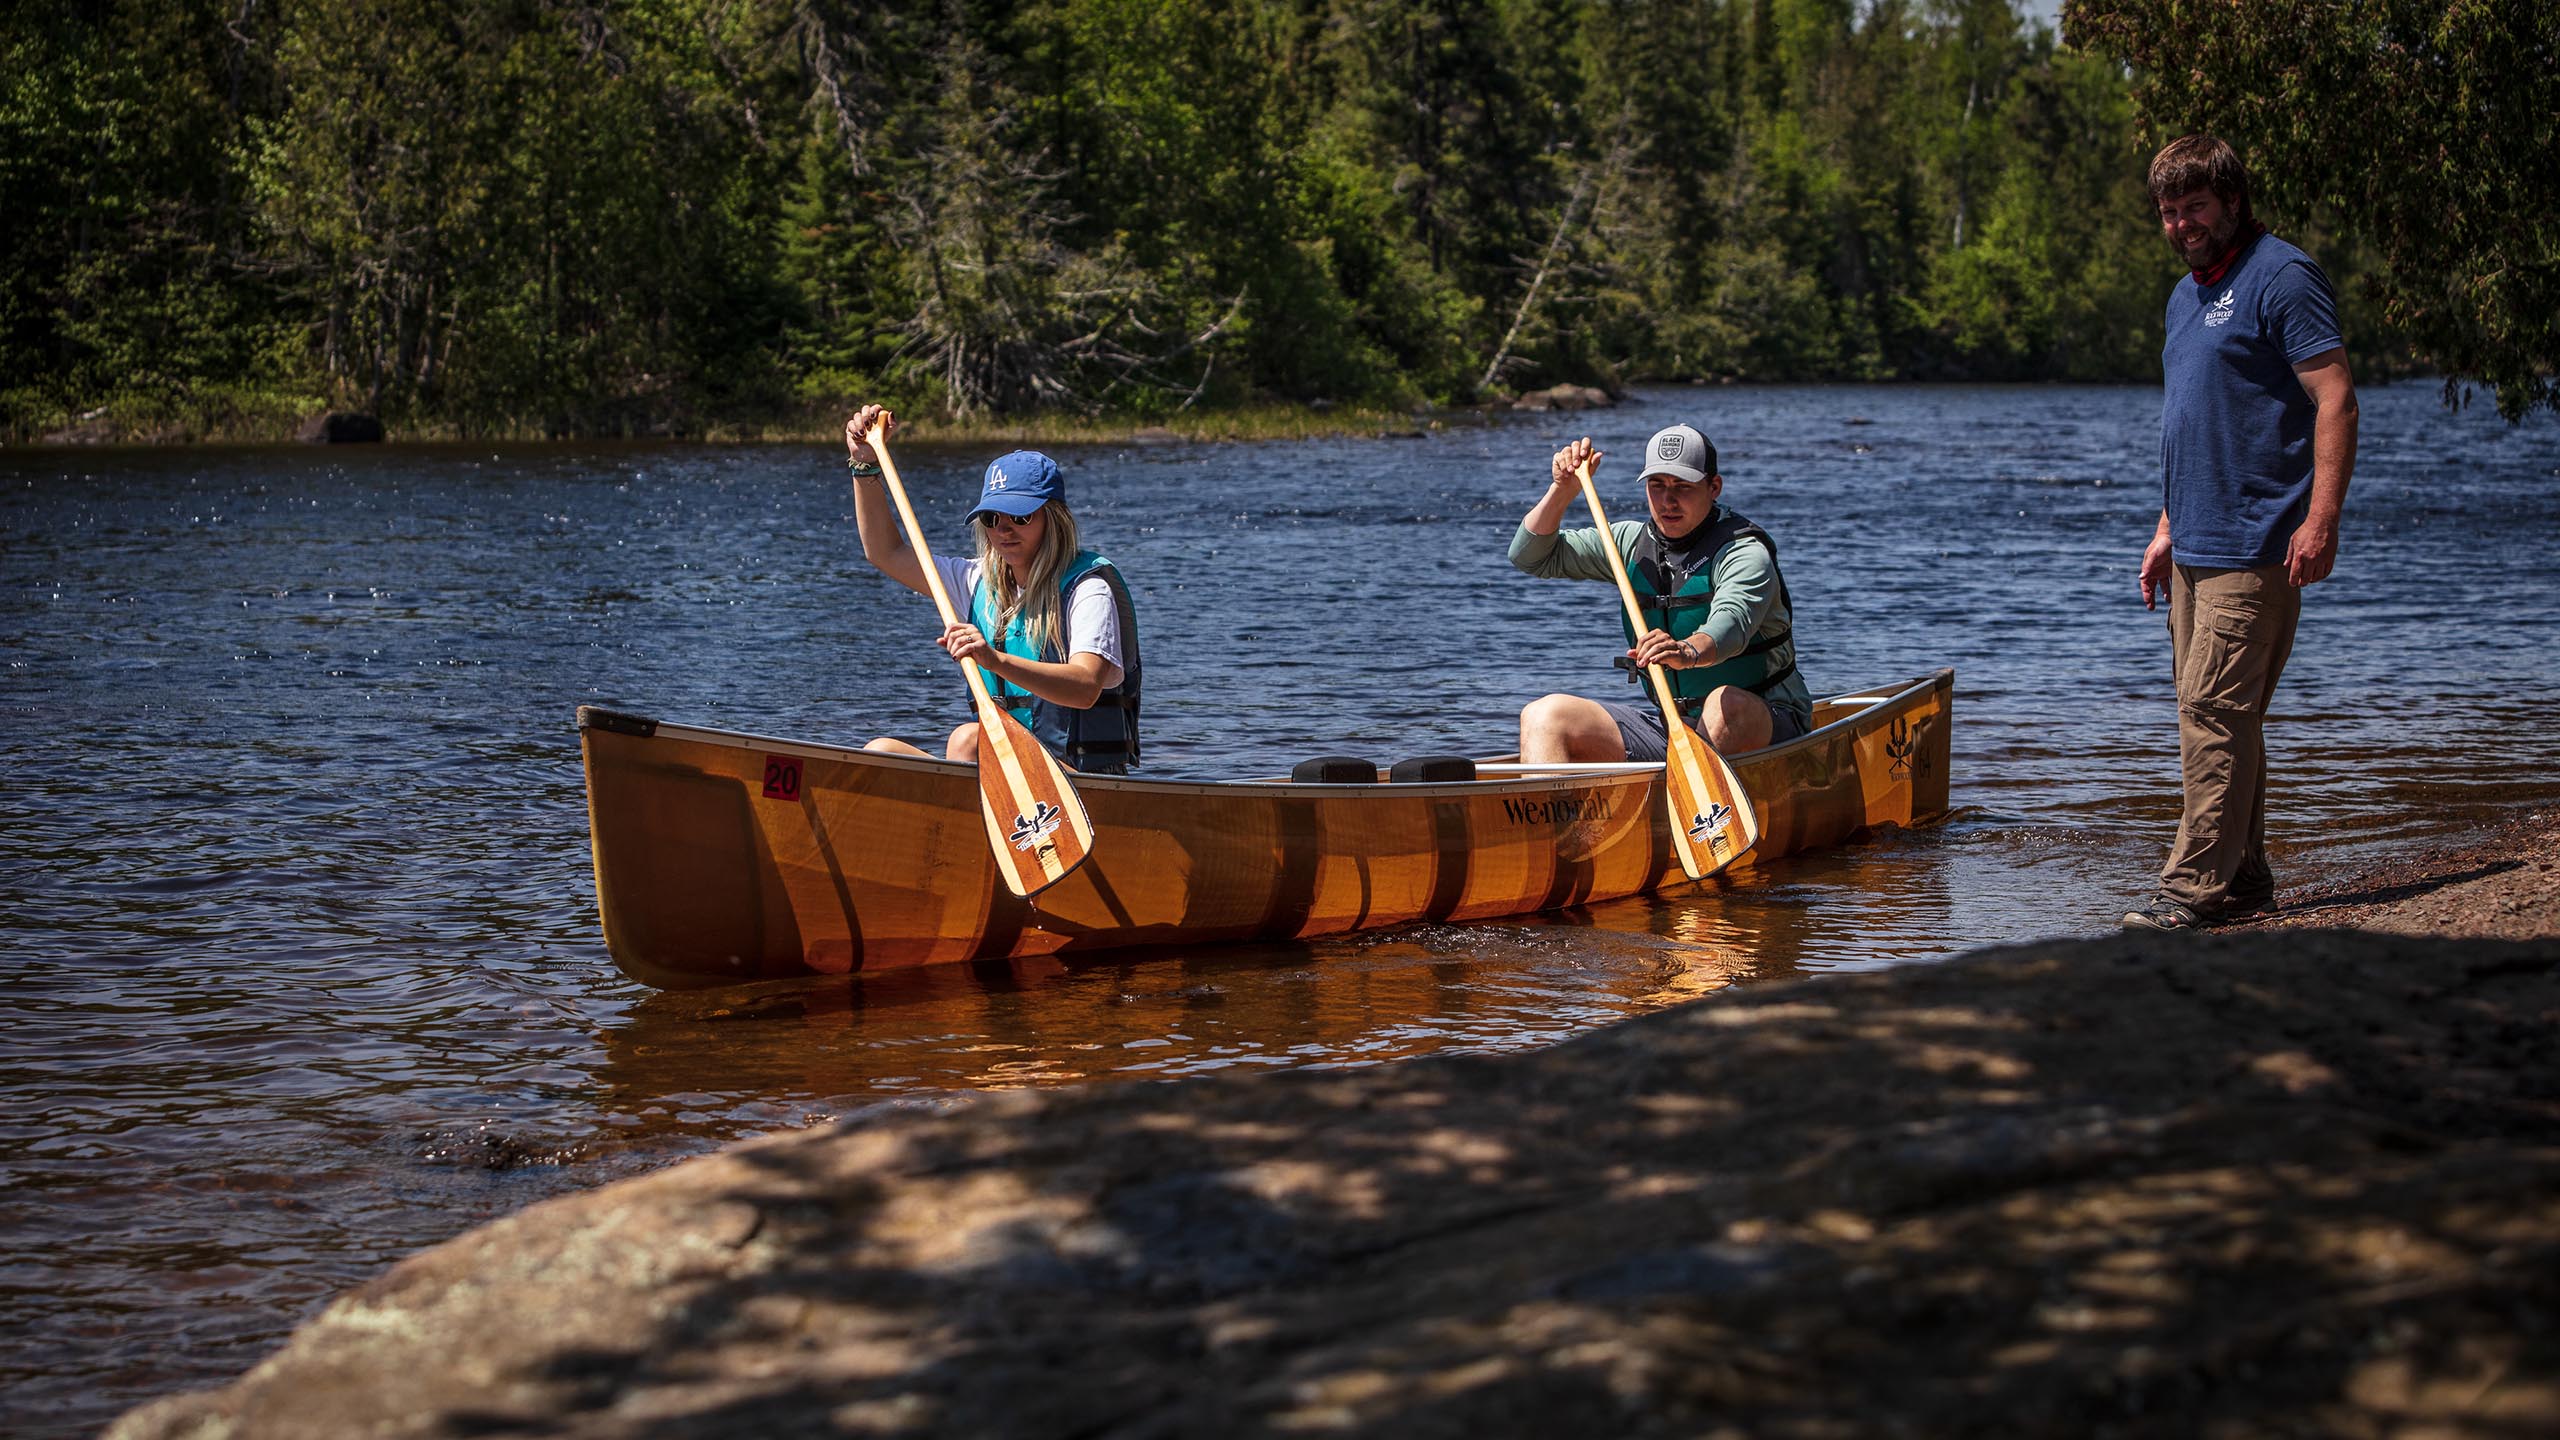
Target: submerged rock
2279 1182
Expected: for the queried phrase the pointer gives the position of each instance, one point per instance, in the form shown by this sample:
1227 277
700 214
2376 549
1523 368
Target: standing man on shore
2257 443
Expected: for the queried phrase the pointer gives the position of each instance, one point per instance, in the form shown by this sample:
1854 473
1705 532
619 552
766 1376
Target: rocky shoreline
2280 1178
2504 884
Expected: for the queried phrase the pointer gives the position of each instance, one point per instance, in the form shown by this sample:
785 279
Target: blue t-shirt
2235 431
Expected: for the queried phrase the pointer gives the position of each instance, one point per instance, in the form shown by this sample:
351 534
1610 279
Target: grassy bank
259 418
235 415
1258 422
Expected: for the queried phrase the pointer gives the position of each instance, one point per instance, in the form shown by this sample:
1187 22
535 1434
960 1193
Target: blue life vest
1102 740
1675 584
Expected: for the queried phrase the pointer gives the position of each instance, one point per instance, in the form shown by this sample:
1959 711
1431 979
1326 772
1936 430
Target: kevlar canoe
724 857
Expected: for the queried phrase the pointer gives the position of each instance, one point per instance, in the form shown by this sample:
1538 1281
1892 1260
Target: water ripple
305 970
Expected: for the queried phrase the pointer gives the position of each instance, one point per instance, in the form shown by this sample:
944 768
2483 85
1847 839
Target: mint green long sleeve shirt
1746 586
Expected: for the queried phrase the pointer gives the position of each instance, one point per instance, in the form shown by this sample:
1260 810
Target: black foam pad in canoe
1427 768
1334 770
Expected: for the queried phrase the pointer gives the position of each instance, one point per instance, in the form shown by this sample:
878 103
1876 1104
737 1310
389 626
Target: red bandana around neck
2212 274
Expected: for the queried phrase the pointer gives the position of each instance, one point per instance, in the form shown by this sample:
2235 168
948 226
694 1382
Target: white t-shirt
1093 620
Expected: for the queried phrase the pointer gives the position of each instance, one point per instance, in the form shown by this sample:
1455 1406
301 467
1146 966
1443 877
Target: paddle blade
1036 827
1712 822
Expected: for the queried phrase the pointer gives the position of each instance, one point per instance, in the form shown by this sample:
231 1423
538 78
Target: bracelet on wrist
860 467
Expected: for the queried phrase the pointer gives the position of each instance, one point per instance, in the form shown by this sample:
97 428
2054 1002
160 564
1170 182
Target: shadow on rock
2295 1181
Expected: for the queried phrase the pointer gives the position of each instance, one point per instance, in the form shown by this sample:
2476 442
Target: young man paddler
1708 583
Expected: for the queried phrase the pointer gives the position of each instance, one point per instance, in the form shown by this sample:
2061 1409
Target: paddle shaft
1626 588
978 692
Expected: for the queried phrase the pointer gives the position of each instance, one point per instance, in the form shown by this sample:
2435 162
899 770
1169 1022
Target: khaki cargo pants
2231 632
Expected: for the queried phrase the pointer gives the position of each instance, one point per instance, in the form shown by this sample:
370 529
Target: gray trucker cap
1680 452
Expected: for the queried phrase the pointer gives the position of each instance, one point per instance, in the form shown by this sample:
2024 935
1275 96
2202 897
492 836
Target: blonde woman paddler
1049 622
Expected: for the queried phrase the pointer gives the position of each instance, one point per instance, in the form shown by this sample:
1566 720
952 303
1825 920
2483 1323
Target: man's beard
2222 235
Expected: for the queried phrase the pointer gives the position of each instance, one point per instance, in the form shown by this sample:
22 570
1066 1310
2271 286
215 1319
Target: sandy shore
2280 1179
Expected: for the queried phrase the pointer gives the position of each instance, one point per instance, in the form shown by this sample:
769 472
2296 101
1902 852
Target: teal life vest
1102 740
1675 585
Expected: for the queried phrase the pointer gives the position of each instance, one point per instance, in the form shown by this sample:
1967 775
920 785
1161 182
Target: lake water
303 968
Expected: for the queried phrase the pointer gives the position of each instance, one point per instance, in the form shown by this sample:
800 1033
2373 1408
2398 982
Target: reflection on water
1156 1015
305 971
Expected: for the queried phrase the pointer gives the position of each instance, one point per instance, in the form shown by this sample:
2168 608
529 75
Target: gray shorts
1640 727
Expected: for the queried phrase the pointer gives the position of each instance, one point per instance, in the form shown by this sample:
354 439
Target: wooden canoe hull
723 857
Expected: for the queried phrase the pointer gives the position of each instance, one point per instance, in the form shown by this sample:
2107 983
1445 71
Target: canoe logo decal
1564 811
1897 744
1710 824
1029 830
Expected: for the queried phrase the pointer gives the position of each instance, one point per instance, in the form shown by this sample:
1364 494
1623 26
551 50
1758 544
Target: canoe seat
1427 768
1334 770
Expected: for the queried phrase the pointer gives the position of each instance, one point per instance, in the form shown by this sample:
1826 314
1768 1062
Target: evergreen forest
688 217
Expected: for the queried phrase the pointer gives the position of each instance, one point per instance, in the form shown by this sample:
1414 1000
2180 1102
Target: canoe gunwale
1537 778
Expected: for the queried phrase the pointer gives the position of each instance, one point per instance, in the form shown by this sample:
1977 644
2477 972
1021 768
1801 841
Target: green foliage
2427 133
666 216
120 222
509 216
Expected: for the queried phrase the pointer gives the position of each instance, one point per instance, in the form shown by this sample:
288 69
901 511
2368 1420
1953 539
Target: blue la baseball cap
1019 483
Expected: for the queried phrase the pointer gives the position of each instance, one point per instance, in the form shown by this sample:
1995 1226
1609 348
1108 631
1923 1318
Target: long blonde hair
1035 597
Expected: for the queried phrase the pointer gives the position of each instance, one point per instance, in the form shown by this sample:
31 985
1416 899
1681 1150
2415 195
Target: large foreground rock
2298 1183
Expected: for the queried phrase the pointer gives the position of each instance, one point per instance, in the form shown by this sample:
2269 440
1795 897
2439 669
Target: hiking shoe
2164 913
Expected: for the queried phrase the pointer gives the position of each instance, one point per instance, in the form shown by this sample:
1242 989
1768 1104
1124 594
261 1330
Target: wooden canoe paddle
1712 822
1035 824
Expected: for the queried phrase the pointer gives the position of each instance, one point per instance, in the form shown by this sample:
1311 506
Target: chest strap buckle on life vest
1693 703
